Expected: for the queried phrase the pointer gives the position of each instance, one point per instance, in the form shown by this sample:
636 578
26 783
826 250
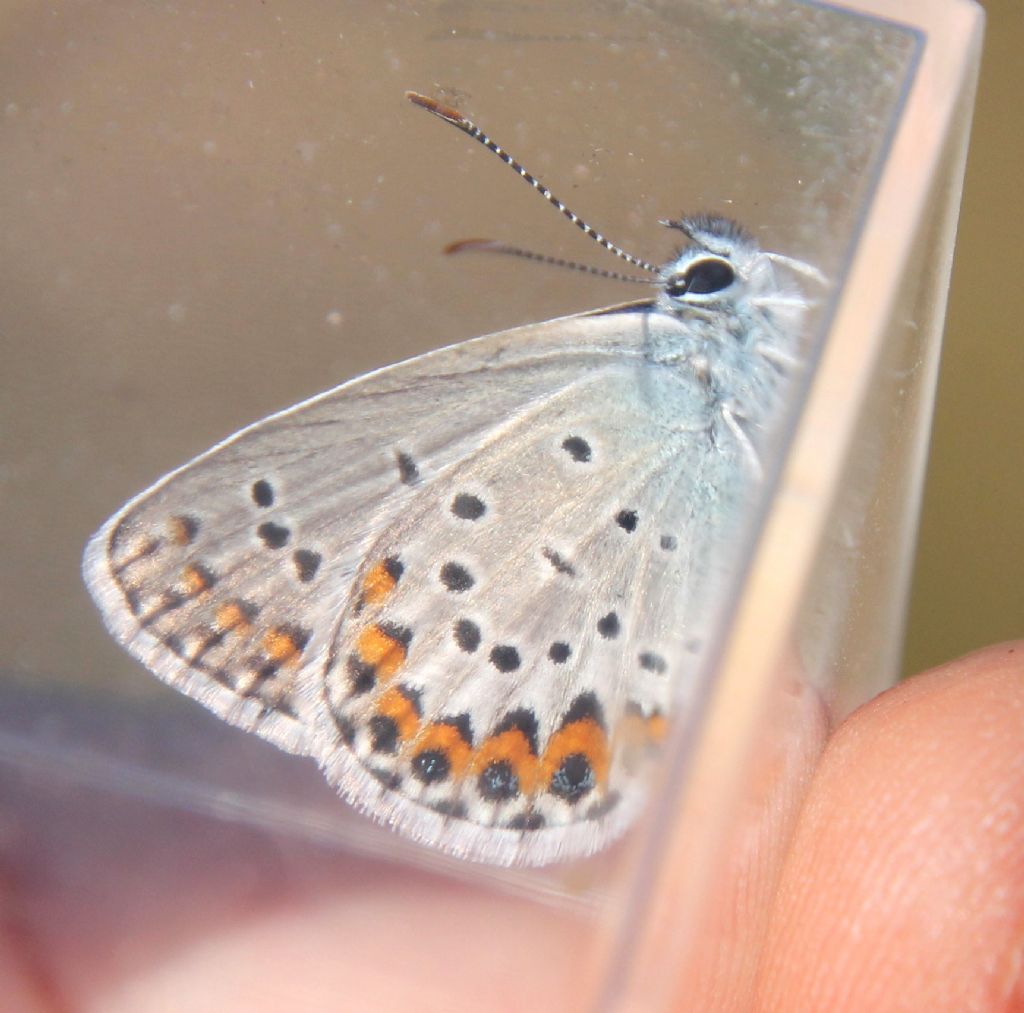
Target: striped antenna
493 246
454 117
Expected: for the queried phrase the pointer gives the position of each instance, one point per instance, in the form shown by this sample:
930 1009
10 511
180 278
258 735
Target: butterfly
468 584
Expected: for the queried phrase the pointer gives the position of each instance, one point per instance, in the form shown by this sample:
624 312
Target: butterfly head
713 269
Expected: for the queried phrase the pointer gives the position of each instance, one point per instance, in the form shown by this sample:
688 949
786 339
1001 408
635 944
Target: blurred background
969 578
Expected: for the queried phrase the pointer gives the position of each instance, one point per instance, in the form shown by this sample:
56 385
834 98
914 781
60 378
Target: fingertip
904 884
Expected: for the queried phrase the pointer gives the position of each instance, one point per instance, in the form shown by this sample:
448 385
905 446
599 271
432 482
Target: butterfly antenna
492 246
467 126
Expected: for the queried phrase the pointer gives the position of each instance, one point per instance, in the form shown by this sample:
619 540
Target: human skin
899 885
903 887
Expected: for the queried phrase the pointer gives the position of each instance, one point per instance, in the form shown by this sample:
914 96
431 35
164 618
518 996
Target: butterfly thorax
737 328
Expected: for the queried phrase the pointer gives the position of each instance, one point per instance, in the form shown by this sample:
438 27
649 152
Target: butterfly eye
703 277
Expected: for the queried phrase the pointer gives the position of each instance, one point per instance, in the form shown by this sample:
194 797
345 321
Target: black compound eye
703 277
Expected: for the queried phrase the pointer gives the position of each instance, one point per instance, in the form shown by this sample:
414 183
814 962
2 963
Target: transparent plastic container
211 214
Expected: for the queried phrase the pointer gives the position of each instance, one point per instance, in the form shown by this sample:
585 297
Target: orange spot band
396 705
378 584
196 579
511 747
281 646
182 530
446 739
384 653
585 737
657 728
232 616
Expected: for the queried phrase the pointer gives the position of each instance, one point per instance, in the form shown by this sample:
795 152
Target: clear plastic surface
212 213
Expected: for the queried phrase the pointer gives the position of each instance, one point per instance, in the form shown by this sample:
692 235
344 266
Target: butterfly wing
458 582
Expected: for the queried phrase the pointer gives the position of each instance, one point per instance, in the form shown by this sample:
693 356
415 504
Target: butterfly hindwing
501 665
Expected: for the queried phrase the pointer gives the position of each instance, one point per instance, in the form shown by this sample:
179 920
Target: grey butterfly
464 584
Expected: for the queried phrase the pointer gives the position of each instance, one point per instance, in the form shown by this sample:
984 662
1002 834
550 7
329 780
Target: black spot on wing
391 779
456 578
498 782
559 562
559 652
273 536
307 563
362 675
408 469
523 720
447 807
577 448
468 507
346 728
609 626
526 821
505 658
431 766
651 662
467 635
573 779
627 520
263 493
400 634
383 734
584 707
175 645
